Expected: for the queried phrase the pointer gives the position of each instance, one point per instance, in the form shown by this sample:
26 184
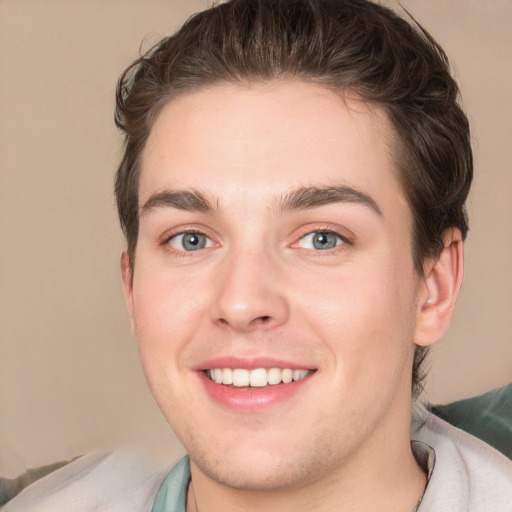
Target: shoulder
101 481
468 474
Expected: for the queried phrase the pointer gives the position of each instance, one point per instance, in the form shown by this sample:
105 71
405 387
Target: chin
267 477
256 469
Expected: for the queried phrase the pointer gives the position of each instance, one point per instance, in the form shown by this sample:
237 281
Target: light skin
273 226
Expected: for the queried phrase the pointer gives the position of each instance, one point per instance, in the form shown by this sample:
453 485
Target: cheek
364 316
164 320
166 312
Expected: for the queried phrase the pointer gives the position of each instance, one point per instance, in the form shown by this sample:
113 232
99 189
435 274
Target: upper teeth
258 377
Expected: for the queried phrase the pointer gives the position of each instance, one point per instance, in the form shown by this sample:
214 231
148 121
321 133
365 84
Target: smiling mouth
257 378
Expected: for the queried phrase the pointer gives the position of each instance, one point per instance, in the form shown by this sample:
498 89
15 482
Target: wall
70 380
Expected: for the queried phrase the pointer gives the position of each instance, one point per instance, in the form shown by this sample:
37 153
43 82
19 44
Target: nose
250 294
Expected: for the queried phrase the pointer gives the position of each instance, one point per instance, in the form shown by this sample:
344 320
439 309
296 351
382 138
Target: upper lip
249 363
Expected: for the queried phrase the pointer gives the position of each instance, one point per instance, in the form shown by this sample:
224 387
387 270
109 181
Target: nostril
264 318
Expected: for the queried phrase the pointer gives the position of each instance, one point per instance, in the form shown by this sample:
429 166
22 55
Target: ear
439 290
127 276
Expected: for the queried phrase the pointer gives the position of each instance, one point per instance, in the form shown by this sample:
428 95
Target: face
274 295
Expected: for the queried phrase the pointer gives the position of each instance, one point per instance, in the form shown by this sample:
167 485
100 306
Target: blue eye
189 241
320 240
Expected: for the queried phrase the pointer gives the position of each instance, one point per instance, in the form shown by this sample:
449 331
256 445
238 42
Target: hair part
346 45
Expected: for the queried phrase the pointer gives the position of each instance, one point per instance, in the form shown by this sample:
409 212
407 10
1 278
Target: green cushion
487 416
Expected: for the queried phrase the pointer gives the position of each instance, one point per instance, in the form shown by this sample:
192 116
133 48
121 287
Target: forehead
242 142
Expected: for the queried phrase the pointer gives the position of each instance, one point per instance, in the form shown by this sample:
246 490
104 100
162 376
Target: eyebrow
313 197
189 200
299 199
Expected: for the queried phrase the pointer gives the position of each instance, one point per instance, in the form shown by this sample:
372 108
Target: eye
321 240
189 241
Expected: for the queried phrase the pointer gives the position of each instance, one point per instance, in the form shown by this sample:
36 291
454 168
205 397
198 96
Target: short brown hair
353 45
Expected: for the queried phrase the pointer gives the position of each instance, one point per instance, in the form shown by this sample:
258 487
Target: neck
397 491
383 475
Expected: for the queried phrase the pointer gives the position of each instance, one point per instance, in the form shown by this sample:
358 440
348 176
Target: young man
292 192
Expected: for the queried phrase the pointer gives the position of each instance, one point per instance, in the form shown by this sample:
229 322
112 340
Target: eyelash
345 241
182 253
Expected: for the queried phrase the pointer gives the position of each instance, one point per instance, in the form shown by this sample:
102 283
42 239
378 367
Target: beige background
70 379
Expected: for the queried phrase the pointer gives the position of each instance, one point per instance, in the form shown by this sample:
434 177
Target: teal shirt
172 495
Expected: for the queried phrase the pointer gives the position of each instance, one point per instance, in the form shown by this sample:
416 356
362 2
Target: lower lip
251 399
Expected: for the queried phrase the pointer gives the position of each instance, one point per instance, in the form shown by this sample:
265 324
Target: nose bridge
248 294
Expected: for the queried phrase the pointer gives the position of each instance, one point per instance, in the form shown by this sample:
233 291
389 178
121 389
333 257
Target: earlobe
440 288
127 276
